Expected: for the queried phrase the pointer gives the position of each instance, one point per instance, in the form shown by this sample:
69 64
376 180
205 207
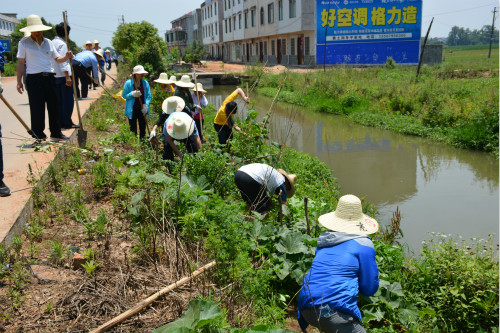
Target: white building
8 24
211 15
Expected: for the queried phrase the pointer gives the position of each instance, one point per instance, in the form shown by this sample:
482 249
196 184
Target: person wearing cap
87 46
83 63
137 94
37 53
254 180
200 102
182 90
4 190
343 265
64 84
224 122
180 127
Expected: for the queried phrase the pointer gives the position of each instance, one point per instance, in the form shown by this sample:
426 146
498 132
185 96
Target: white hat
185 82
34 23
198 87
173 79
173 104
163 79
99 52
349 218
292 179
139 69
95 42
180 126
107 50
86 43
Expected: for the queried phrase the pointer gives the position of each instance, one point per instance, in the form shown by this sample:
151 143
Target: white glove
1 89
144 109
136 93
152 135
196 106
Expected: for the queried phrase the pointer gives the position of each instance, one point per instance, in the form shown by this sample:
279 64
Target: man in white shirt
64 84
37 53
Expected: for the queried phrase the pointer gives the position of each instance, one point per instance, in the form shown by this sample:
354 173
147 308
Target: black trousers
224 133
252 192
81 76
137 116
42 90
168 152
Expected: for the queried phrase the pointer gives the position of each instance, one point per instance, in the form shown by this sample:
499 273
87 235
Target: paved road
18 154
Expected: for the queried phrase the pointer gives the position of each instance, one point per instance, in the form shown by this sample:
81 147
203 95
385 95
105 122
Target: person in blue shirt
137 94
4 190
82 62
343 265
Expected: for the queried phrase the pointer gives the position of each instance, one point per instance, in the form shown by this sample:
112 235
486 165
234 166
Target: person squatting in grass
180 127
37 52
137 100
254 179
344 264
224 122
169 106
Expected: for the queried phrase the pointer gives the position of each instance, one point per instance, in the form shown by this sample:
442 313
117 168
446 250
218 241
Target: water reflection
437 188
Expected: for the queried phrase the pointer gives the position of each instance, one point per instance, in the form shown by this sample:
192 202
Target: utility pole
492 30
123 19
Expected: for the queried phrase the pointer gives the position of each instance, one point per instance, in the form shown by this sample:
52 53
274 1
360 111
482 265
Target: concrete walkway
16 209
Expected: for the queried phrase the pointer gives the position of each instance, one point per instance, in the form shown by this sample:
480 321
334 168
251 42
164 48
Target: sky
91 19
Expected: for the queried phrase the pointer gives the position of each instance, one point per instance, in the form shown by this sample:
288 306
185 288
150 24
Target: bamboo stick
141 305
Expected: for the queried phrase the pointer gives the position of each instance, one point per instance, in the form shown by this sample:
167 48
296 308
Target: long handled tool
81 134
100 85
30 132
107 75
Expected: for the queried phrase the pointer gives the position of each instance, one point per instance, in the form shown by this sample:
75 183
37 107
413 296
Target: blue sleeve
368 270
147 92
282 188
127 90
2 59
94 66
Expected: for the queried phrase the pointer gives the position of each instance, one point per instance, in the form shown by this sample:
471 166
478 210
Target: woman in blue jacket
138 97
344 264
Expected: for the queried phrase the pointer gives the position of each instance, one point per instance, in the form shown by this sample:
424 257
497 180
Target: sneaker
4 190
84 98
60 137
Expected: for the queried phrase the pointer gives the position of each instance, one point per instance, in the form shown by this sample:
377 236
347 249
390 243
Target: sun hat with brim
99 52
173 79
34 23
173 104
198 87
349 218
185 82
139 69
292 179
95 42
87 43
107 51
163 79
180 125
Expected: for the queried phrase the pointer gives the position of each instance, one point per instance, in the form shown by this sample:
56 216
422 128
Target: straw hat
180 126
34 23
185 82
95 42
139 69
349 218
163 79
198 87
86 43
173 79
173 104
107 51
292 179
99 52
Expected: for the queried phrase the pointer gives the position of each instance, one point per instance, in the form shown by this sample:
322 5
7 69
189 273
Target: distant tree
195 52
173 55
140 43
461 36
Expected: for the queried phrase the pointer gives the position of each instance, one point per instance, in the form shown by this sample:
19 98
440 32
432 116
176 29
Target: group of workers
344 263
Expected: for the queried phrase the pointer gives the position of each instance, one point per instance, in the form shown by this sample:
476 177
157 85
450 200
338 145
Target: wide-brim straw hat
173 104
86 43
139 69
107 51
349 218
180 125
198 87
292 179
163 79
185 82
173 79
99 52
34 23
95 42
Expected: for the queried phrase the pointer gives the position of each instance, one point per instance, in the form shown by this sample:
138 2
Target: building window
234 22
229 4
261 15
254 18
246 20
256 48
225 23
283 46
280 10
230 25
239 21
272 47
215 28
292 8
265 47
270 13
225 5
307 46
292 46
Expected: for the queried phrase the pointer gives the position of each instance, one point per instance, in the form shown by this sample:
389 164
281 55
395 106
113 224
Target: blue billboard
367 32
5 44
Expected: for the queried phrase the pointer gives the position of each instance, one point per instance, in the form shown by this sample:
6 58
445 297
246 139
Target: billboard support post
423 47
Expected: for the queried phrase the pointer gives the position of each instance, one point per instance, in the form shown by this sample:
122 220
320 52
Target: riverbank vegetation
455 102
135 226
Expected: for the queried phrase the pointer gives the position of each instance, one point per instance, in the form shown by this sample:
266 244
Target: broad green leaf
283 270
118 163
396 288
139 196
291 243
157 178
133 162
408 315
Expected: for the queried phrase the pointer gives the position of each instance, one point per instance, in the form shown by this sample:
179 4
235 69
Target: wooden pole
423 47
199 102
141 305
306 199
492 30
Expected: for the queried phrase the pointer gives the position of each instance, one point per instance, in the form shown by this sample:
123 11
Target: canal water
437 188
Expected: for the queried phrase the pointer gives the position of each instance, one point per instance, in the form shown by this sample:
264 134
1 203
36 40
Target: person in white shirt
37 53
64 84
